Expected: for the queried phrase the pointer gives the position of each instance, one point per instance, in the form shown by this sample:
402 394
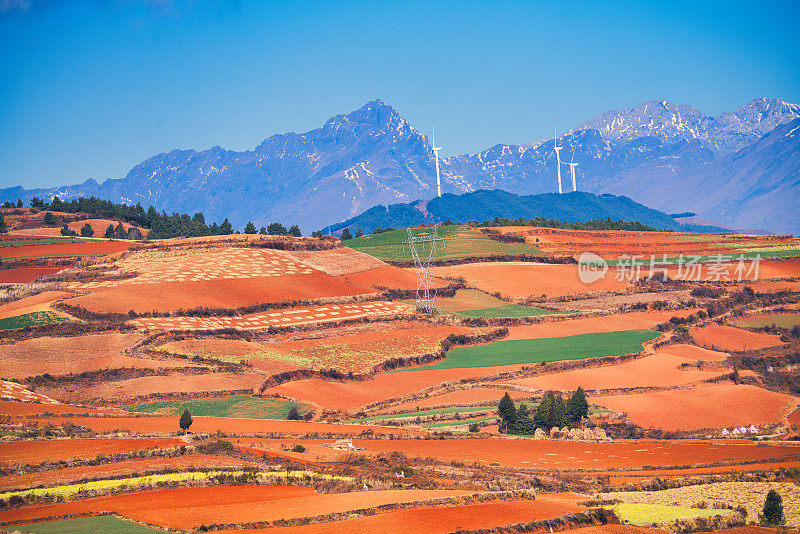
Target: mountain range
741 169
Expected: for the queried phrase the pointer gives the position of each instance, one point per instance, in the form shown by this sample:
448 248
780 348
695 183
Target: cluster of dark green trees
553 411
594 224
161 225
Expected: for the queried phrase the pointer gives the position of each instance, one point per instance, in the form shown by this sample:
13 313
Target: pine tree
346 234
50 219
294 231
87 230
772 515
276 228
507 412
110 231
186 420
119 231
577 406
250 228
263 230
226 228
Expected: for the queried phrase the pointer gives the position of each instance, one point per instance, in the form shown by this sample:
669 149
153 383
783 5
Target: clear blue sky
90 88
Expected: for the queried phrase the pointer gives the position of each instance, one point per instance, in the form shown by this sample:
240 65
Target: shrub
67 231
87 230
294 414
298 448
50 219
185 420
474 427
772 514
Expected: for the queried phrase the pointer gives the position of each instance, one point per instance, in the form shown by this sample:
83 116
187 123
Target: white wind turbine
436 150
558 157
572 166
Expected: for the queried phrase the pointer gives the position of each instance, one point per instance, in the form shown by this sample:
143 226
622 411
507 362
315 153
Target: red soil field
32 303
441 519
622 477
192 507
35 452
17 409
722 337
64 249
716 406
146 385
354 394
64 355
23 275
388 276
656 370
614 529
224 293
338 261
588 325
564 455
210 425
521 279
692 352
461 396
124 468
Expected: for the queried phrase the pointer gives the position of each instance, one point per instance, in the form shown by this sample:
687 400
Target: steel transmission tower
426 290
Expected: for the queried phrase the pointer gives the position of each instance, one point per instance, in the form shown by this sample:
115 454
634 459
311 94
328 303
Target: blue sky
90 88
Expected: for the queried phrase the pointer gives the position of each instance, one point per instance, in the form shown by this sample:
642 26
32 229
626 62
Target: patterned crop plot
284 317
18 392
226 264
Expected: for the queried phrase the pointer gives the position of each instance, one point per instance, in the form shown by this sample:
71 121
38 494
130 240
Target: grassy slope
520 351
508 310
459 242
645 514
103 523
784 320
31 319
234 406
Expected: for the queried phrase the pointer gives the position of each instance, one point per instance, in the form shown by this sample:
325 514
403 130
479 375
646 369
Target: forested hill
488 205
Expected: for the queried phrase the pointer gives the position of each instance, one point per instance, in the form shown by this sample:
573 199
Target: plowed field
520 279
588 325
64 249
722 337
33 303
23 275
716 406
35 452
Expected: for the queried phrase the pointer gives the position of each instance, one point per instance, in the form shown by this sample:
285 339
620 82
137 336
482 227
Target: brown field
135 467
767 269
656 370
388 277
442 519
564 455
716 406
17 392
172 383
192 507
693 352
23 275
35 452
64 355
338 261
589 325
98 225
519 280
459 396
277 317
33 303
64 249
722 337
354 394
225 293
20 409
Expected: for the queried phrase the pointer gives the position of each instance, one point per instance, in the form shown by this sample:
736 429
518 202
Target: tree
507 412
67 231
276 228
474 427
110 231
294 231
186 420
359 232
87 230
577 406
37 202
3 225
250 228
772 515
263 230
119 231
19 203
316 233
294 414
226 228
346 234
50 219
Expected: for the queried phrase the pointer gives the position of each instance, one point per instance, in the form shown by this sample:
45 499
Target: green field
243 406
783 320
646 514
31 319
520 351
23 243
460 241
474 303
423 413
107 524
461 422
509 310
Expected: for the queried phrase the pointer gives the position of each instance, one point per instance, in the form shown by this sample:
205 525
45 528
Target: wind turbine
558 157
572 166
436 150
